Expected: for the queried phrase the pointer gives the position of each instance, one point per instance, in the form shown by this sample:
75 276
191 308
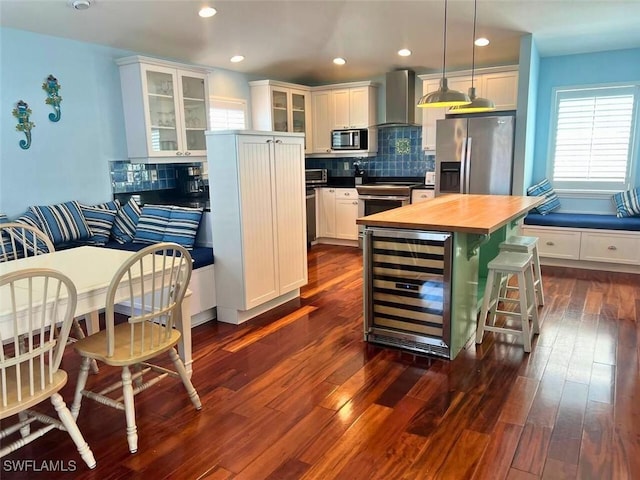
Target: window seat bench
600 242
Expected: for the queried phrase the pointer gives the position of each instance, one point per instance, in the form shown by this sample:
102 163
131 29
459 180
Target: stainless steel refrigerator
475 154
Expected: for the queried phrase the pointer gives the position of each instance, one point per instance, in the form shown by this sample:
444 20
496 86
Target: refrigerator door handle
463 166
467 161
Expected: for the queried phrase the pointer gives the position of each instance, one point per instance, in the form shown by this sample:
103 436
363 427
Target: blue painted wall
574 70
69 159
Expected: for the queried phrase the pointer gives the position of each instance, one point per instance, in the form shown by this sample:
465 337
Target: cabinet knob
551 244
328 150
354 203
331 190
187 153
179 154
269 141
278 141
424 195
346 194
612 247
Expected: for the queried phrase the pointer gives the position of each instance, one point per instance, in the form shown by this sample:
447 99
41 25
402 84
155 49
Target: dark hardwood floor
297 394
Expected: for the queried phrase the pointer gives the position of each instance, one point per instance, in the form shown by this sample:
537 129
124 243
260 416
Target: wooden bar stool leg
485 307
531 293
524 312
538 276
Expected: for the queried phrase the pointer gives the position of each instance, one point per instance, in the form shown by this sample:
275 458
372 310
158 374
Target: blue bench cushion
583 220
202 256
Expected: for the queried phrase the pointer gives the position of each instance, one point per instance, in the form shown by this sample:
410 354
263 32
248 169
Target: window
227 113
592 138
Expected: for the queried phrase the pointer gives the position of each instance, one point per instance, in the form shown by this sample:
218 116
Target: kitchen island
425 267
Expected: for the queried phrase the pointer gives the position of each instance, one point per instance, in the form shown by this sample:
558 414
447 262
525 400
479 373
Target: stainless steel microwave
354 139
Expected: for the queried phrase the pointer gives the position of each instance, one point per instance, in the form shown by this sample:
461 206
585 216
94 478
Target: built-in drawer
610 247
421 195
556 243
351 193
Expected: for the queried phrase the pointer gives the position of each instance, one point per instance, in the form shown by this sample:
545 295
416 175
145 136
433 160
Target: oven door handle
383 197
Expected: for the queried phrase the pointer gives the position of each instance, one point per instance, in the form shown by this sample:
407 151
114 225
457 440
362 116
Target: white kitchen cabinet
337 211
422 194
583 246
281 107
497 84
340 106
501 87
259 227
326 212
165 110
354 107
346 215
322 108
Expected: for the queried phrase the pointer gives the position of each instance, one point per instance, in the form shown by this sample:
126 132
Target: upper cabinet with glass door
281 107
165 110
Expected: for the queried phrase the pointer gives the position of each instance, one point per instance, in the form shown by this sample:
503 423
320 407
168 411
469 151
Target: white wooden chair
30 356
19 240
148 332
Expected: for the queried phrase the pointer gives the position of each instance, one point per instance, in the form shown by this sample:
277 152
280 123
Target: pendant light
444 97
478 104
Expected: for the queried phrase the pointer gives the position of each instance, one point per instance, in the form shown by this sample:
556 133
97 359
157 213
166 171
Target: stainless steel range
380 196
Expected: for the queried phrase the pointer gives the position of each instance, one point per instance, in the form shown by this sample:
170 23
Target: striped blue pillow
124 224
627 203
100 221
183 226
63 222
152 224
544 189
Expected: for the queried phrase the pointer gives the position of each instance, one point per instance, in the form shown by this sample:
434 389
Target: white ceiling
296 40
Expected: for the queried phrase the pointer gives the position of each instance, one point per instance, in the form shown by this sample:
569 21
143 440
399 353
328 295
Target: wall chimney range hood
400 99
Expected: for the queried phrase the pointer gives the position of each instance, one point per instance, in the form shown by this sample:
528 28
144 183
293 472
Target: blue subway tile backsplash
137 177
399 154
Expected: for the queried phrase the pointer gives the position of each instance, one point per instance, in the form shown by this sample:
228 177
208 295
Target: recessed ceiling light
207 12
405 52
339 61
482 42
80 4
237 58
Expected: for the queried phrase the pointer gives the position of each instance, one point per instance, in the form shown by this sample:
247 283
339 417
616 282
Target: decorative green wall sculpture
51 86
22 113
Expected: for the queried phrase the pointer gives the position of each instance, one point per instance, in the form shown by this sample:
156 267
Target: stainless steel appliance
190 180
381 196
356 139
314 177
475 155
407 297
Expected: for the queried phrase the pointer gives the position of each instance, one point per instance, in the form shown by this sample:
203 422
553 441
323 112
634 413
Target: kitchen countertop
479 214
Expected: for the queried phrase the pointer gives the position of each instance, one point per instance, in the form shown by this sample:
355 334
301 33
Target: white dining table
91 269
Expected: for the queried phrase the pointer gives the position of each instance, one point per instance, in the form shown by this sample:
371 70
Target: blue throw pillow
544 189
152 224
63 222
183 226
124 224
100 221
627 203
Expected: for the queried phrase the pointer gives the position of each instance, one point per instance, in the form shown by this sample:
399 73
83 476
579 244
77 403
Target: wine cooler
407 289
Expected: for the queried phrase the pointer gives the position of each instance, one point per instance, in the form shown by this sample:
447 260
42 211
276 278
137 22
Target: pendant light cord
473 40
444 49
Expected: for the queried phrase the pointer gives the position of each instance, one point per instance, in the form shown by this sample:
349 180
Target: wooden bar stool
520 266
524 244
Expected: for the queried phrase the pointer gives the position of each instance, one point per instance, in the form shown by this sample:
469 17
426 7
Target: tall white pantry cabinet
257 190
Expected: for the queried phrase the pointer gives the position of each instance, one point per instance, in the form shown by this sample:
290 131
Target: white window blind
227 113
593 138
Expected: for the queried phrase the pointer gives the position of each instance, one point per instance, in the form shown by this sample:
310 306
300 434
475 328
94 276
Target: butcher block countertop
480 214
